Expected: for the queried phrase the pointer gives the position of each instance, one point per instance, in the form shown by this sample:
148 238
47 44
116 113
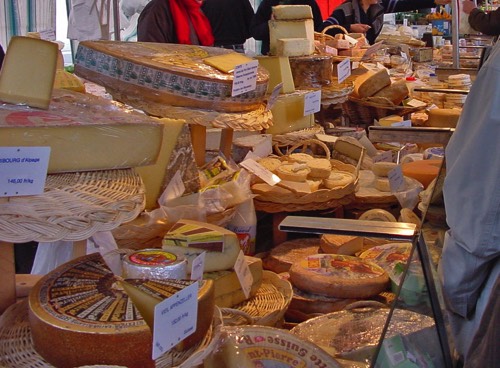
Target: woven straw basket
323 38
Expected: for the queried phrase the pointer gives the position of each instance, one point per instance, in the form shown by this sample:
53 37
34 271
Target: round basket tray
291 138
17 351
336 93
255 120
266 308
73 207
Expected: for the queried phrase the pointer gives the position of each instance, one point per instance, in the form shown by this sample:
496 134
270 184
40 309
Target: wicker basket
323 39
17 351
266 308
362 112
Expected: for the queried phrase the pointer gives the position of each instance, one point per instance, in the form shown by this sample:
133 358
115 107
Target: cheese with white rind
294 47
80 315
190 238
382 184
28 72
292 12
369 83
377 214
84 132
170 74
279 29
382 168
293 172
279 72
338 276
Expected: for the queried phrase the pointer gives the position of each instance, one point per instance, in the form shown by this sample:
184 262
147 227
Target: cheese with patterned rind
28 72
84 132
388 255
171 74
80 315
338 276
284 255
190 238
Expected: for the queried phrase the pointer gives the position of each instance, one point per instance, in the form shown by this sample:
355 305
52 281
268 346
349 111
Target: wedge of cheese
84 132
176 154
227 62
28 72
288 113
280 29
170 74
279 72
341 244
190 238
371 82
396 92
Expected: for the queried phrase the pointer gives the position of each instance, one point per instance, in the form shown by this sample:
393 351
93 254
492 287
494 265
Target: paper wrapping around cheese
288 113
279 29
279 72
171 74
176 154
80 315
84 132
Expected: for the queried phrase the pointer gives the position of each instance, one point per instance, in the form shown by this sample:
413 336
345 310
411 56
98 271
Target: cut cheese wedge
28 72
190 238
341 244
279 72
288 113
227 62
371 82
280 29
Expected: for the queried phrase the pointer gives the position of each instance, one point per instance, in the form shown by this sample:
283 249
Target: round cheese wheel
308 303
382 184
270 163
407 215
425 171
320 168
154 263
80 315
382 168
377 214
281 257
387 255
301 158
338 179
293 172
338 276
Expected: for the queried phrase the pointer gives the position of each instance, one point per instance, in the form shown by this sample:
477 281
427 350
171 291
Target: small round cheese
382 184
377 214
270 163
293 172
320 168
382 168
338 179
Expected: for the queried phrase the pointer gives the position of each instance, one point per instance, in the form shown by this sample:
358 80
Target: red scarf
182 12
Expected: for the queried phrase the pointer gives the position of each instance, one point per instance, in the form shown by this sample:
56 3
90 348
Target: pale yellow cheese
84 132
341 244
320 168
383 168
288 113
371 82
279 72
382 184
279 29
295 47
28 72
190 238
390 120
65 80
227 62
293 172
292 12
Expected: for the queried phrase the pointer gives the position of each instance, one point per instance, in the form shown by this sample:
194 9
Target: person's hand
468 6
359 28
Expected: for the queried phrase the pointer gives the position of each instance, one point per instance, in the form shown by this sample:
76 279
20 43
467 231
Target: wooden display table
73 207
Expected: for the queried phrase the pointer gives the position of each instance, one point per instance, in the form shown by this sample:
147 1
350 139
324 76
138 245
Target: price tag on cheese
274 96
371 50
259 170
415 103
344 70
175 319
23 170
245 78
385 156
198 266
244 275
396 179
312 102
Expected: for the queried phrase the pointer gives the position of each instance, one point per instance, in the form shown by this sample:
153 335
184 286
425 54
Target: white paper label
274 96
385 156
415 103
371 50
259 170
245 78
198 265
312 102
244 275
23 170
396 179
344 70
175 319
351 40
404 123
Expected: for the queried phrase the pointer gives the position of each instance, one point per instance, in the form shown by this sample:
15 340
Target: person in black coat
367 16
259 27
486 23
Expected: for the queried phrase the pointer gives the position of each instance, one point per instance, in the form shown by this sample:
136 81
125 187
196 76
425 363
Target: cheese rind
28 72
190 238
294 47
341 244
292 12
396 92
371 82
227 62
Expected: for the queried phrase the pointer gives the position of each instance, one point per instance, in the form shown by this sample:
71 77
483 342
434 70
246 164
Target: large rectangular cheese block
84 132
228 291
28 72
295 47
176 154
170 74
288 113
279 72
279 29
369 83
292 12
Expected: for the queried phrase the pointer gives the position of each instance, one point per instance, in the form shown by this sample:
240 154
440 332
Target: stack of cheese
343 45
377 83
188 239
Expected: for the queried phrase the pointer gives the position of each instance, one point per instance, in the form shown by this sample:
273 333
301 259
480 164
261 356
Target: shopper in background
260 27
487 23
367 16
174 21
230 21
469 269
